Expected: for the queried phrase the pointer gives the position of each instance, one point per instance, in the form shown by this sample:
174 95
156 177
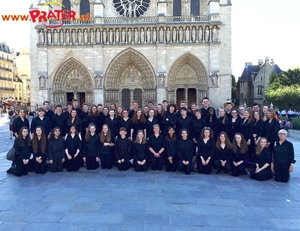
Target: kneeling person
122 150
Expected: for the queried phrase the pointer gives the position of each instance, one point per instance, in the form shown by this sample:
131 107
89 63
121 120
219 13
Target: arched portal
187 80
72 80
130 77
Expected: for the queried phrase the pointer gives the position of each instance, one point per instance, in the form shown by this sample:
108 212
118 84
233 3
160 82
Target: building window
242 95
67 5
177 8
19 87
259 90
84 7
195 7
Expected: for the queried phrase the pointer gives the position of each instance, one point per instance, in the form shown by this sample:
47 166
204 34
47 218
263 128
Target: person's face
140 135
222 138
172 109
238 139
105 110
241 110
282 136
159 108
119 109
135 105
58 110
112 106
73 114
211 112
269 115
105 129
255 108
122 133
146 110
46 106
265 108
38 131
94 109
57 133
111 113
151 113
193 107
234 114
182 105
198 115
139 113
256 115
205 103
41 113
165 104
150 105
183 112
69 107
221 112
171 132
72 129
92 129
263 143
99 108
206 133
246 114
24 133
156 130
125 114
228 107
85 108
22 113
75 104
184 135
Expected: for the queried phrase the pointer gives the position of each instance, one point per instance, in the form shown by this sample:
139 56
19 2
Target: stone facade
118 59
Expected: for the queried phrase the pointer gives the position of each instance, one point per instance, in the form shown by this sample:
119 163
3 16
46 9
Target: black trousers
73 164
140 168
217 165
239 170
123 166
187 169
41 168
169 166
282 173
204 168
57 165
21 168
106 161
91 163
156 163
265 174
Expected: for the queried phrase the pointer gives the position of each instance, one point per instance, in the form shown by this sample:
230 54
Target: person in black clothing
56 151
228 105
135 106
204 109
239 155
106 147
22 146
59 120
258 131
171 150
104 115
84 118
123 150
75 106
112 123
119 112
246 128
271 128
67 113
197 125
93 117
284 158
159 114
222 121
156 146
169 119
185 151
39 150
206 150
140 152
183 121
150 122
234 124
72 149
19 122
212 121
183 105
42 121
263 161
138 122
74 120
223 154
91 145
48 112
146 111
125 122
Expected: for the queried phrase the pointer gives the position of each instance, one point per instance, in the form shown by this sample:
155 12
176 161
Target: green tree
286 78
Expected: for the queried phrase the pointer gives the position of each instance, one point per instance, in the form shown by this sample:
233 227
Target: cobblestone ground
155 200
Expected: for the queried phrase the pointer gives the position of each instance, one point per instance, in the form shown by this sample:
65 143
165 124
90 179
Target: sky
260 28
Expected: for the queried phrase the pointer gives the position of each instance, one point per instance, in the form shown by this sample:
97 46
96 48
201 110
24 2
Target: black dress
271 132
171 151
137 126
122 151
233 127
91 151
205 150
140 153
126 124
72 144
22 153
236 157
45 123
224 154
18 123
183 123
40 168
150 124
77 123
106 154
156 143
60 122
169 120
263 158
56 152
185 150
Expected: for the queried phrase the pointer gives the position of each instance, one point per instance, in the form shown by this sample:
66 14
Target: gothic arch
127 58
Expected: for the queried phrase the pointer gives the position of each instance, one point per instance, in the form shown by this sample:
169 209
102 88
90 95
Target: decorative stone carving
136 35
174 35
161 77
97 36
148 35
79 36
68 37
161 35
104 36
187 34
117 37
49 37
74 39
92 37
98 81
123 36
42 82
216 34
85 35
142 36
207 34
55 37
201 39
111 36
214 76
168 35
41 37
193 34
129 37
154 35
180 32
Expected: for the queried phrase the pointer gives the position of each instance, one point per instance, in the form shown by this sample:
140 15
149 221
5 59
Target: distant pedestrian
11 117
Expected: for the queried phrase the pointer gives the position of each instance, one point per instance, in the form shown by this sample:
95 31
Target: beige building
148 50
254 80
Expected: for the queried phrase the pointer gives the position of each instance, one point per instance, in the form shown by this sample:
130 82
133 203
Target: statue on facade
161 80
117 36
136 35
79 36
98 81
161 35
154 36
201 34
174 35
129 40
85 35
42 83
67 37
41 37
214 79
97 36
123 36
49 36
104 36
148 35
193 34
187 34
168 35
55 37
111 36
92 37
207 34
180 32
142 35
74 37
216 34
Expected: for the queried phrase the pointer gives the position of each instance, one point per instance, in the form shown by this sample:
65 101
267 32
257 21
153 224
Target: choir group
237 140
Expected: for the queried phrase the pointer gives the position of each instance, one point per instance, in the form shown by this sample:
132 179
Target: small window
195 7
177 8
67 5
84 7
259 90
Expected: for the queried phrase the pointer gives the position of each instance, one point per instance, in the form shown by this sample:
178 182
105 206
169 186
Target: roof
277 69
248 70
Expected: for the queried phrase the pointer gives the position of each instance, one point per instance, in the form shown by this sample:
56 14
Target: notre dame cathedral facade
145 50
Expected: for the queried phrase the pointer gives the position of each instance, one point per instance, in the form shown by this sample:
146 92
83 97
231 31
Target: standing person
112 123
68 111
197 125
263 161
41 120
241 111
72 149
104 115
74 120
265 109
138 122
183 122
135 107
159 113
185 150
206 149
146 112
84 118
223 153
150 122
19 122
22 146
76 106
284 158
94 118
171 150
91 145
99 108
39 150
140 152
56 151
156 146
258 131
59 119
246 128
240 155
234 124
119 112
106 147
48 112
223 121
165 104
228 105
271 128
212 121
123 150
169 119
125 122
204 109
11 117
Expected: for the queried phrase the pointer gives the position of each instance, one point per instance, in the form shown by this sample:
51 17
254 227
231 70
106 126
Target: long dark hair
135 118
52 136
20 137
243 144
91 114
107 137
227 142
88 134
34 141
168 137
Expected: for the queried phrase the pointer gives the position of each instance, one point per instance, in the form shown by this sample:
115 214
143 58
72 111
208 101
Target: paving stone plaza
155 200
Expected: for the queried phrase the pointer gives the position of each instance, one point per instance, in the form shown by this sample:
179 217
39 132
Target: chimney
260 62
267 59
